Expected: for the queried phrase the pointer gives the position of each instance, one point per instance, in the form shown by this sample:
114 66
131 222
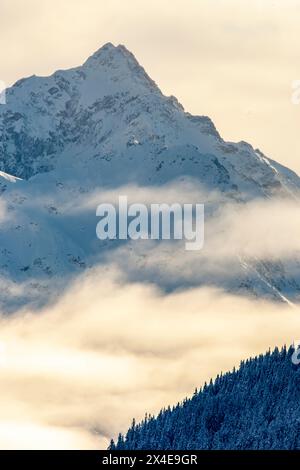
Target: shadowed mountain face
96 129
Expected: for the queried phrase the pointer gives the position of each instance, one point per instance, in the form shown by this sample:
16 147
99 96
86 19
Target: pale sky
233 60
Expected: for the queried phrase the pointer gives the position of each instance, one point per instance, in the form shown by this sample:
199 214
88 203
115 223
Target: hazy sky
234 60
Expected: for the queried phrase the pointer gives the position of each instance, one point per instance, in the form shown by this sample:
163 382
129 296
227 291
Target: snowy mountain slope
102 126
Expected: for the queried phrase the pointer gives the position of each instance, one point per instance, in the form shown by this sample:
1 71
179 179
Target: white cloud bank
76 373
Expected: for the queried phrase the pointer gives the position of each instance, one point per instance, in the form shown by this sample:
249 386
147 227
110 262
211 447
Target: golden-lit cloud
76 373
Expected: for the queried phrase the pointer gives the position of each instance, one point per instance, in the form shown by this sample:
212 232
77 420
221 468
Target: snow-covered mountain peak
105 125
110 53
108 114
120 64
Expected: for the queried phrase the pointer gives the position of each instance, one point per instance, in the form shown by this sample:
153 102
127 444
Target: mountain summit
104 106
119 58
105 125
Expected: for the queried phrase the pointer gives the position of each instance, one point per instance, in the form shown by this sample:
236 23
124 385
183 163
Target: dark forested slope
255 407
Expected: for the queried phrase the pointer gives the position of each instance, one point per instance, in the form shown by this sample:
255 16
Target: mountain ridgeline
92 132
254 407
